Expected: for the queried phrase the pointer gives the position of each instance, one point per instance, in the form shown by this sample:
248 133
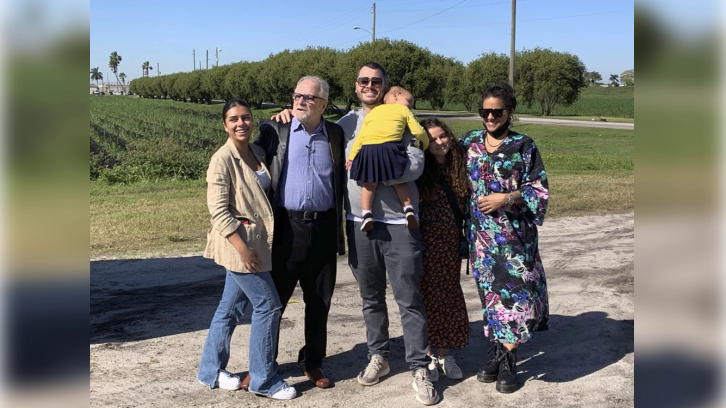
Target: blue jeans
241 289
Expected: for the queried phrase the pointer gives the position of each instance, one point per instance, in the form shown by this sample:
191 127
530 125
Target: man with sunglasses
389 248
306 162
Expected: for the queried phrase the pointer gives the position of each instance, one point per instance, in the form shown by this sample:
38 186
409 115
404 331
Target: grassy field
591 171
594 101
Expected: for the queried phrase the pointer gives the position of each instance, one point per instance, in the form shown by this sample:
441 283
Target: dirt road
536 121
149 319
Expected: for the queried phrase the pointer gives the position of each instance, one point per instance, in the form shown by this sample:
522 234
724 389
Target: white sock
366 212
407 207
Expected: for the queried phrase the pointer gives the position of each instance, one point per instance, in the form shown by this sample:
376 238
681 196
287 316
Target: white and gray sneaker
228 381
376 368
425 391
449 367
434 369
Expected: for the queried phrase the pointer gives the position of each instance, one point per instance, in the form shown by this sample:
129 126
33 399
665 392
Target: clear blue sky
165 32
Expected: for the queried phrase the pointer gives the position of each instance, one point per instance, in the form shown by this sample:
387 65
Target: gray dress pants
395 249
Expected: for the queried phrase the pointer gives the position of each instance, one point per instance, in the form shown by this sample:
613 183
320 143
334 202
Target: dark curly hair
503 91
454 167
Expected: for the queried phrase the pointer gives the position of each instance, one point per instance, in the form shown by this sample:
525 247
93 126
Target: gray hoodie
386 203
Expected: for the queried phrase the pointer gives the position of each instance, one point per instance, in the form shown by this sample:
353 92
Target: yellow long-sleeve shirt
386 123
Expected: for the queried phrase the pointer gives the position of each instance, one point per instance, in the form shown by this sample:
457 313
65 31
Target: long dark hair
231 104
453 169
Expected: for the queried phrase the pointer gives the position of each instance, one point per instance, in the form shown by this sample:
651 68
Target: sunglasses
305 97
375 81
497 113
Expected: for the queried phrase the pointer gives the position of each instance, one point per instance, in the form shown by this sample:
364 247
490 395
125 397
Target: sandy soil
149 319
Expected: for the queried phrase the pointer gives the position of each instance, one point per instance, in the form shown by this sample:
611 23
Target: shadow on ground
140 299
134 300
573 347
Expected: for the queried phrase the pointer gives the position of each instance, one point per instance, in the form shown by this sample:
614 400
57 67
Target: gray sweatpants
395 249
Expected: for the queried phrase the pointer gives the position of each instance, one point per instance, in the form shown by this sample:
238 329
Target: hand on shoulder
283 117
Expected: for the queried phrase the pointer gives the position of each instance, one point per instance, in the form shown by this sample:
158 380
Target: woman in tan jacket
240 240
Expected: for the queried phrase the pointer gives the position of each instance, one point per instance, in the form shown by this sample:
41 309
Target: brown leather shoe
317 377
245 385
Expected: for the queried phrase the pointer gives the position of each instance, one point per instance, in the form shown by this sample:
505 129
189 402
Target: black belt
308 215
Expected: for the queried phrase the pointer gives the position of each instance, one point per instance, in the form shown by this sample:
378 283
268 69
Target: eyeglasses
375 81
497 113
305 97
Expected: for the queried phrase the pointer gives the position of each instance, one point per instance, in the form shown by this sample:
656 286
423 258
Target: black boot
490 371
507 378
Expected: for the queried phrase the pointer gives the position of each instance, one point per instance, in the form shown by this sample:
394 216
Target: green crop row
135 139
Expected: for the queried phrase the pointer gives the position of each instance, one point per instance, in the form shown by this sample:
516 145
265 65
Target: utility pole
158 72
511 45
373 32
207 59
194 60
200 65
216 52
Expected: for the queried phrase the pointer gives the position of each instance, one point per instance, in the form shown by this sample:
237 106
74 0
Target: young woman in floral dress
447 318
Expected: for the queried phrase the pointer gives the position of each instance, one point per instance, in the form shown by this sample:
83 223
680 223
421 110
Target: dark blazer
273 139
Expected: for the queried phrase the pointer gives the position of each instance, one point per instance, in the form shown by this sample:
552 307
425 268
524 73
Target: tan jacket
237 202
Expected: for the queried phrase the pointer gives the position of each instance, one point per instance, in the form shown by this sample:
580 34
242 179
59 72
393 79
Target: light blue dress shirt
306 180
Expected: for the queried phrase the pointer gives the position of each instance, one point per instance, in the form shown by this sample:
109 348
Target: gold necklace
486 139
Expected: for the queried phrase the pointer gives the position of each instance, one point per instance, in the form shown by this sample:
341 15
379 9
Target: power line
527 21
355 13
340 23
348 42
433 9
424 19
417 3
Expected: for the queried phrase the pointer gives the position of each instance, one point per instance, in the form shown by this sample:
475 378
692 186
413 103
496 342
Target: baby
378 154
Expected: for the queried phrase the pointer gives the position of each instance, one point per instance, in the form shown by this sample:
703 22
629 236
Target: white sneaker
377 368
285 393
434 369
449 367
228 381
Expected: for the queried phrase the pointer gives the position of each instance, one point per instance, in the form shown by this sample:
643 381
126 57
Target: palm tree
145 67
614 80
96 75
122 77
113 61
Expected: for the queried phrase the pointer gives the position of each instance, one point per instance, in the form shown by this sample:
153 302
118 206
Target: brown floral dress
447 318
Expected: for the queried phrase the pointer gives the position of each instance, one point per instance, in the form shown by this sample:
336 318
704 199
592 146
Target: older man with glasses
390 248
306 162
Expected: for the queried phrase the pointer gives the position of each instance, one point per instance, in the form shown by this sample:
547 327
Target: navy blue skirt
379 162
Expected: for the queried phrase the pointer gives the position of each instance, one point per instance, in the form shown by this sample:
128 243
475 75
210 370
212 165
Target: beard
304 116
368 100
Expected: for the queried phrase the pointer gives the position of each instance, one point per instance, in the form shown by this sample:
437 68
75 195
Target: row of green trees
543 77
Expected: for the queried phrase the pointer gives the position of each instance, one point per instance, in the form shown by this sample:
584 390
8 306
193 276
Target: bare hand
492 202
249 259
348 164
283 117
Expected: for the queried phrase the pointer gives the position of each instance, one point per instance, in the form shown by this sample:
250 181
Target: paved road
537 121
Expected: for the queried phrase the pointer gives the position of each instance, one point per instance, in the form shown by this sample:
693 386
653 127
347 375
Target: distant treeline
543 78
